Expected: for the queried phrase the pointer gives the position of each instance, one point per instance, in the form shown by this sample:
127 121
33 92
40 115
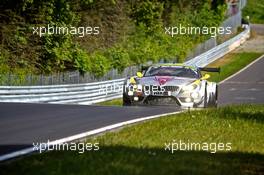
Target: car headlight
139 87
189 87
130 93
195 95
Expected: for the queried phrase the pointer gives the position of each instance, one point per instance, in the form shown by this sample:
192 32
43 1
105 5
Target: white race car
171 84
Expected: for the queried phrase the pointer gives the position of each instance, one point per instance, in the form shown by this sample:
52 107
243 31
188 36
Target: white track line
241 70
83 135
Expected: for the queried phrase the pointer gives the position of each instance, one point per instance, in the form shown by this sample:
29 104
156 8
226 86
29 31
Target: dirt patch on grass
254 44
256 41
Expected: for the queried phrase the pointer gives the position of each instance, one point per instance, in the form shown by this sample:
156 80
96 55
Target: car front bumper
184 100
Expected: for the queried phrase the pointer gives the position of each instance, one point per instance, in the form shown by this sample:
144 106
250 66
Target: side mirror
206 76
139 75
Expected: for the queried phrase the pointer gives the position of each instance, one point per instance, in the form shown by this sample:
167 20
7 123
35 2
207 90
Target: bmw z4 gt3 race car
171 84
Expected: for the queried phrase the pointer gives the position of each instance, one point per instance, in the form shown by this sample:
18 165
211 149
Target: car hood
165 81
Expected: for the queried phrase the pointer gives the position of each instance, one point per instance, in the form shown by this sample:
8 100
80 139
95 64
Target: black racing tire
126 100
205 96
215 103
213 100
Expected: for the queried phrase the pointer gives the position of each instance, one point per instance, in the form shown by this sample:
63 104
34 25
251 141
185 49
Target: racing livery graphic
171 84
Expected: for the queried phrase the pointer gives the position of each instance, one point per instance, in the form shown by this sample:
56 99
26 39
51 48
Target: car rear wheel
212 101
205 97
215 102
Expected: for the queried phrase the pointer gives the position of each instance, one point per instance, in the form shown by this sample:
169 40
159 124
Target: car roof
173 65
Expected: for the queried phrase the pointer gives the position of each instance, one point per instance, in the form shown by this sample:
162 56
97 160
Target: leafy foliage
255 10
101 64
132 32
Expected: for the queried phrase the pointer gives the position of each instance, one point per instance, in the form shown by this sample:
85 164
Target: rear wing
210 69
144 68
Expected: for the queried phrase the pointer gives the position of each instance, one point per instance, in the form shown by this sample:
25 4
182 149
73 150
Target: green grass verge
229 64
115 102
255 9
139 149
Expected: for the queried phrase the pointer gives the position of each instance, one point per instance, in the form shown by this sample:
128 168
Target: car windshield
172 71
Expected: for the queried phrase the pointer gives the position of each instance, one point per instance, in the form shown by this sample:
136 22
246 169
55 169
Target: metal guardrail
86 94
220 50
90 93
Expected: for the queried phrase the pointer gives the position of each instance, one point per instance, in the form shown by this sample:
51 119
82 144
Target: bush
149 14
100 65
119 58
82 61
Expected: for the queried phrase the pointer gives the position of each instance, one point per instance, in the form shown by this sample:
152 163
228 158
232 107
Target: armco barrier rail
64 94
90 93
220 50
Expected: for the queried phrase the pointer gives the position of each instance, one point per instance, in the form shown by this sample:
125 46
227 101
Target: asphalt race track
22 124
245 87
